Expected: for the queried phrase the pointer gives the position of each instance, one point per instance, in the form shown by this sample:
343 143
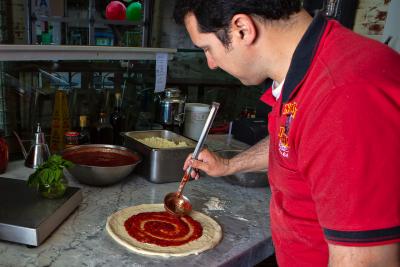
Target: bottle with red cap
71 139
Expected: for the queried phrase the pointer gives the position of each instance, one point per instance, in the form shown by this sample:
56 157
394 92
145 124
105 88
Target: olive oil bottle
84 132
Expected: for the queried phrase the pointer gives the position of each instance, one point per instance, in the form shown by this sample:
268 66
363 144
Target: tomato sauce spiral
163 229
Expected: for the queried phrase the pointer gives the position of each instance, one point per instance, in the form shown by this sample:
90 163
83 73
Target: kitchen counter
81 240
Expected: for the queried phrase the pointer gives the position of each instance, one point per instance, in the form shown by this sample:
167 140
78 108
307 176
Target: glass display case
72 22
32 78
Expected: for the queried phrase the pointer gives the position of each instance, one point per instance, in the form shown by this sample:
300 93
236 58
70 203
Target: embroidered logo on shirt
289 110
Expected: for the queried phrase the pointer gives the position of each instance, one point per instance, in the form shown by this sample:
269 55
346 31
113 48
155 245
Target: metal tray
160 165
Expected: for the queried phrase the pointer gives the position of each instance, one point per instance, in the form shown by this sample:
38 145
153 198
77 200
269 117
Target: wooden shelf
87 21
67 52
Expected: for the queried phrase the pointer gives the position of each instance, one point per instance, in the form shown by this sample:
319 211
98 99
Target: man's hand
376 256
253 159
209 162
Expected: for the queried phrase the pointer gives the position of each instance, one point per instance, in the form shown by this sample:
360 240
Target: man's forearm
383 255
253 159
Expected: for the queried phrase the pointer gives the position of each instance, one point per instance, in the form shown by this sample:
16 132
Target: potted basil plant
49 177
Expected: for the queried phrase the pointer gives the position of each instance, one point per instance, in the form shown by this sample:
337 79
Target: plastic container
195 117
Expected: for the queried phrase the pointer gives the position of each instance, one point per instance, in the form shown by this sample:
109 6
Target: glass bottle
3 153
117 120
60 121
71 139
84 132
102 131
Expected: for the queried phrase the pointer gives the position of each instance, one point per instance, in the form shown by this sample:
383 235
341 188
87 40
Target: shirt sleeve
349 155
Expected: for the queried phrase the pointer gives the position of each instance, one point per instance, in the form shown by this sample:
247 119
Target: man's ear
243 28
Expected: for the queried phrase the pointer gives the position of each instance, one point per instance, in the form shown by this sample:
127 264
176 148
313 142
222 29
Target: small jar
3 153
71 139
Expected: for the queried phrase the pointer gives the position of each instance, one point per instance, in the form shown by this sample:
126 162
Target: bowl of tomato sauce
100 164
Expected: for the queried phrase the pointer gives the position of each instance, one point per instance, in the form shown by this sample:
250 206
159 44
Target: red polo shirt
335 146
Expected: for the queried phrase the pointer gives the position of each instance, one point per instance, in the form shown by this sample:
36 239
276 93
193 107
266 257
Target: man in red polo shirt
333 152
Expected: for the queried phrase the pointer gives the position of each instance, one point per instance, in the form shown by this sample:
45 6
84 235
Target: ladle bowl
177 205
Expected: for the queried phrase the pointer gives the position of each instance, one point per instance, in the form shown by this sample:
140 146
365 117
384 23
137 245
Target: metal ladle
175 202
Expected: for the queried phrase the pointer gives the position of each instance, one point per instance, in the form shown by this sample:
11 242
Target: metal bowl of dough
100 164
246 179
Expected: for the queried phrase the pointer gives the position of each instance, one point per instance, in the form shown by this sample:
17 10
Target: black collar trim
303 55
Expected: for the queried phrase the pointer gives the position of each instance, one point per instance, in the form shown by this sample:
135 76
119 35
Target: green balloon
134 11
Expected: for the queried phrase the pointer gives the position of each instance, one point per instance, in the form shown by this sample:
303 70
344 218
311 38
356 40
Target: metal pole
3 37
30 30
3 116
147 9
91 22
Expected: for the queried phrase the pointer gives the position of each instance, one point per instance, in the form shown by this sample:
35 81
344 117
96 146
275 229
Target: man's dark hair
215 15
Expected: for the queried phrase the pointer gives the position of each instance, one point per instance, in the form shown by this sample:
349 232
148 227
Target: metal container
172 107
160 165
96 175
39 151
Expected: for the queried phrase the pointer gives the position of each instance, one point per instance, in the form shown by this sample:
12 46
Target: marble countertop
81 240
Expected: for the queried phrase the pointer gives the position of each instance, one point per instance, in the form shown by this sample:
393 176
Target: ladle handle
206 129
182 184
199 145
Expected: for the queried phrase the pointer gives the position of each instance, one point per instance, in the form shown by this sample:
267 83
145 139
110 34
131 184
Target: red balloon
115 10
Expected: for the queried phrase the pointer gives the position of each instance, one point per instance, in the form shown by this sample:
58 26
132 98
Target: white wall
170 34
370 17
392 25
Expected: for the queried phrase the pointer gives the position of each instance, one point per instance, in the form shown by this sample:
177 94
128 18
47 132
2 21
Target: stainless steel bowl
100 175
246 179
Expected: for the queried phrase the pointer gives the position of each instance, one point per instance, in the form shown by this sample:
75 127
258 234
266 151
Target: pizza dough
212 233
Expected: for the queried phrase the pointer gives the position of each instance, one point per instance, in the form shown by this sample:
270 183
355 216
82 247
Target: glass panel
28 92
86 23
90 88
